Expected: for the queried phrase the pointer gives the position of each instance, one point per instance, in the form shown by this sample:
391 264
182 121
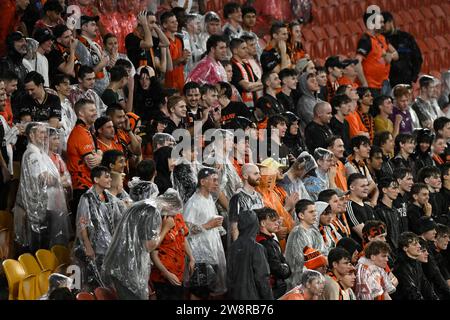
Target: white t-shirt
38 64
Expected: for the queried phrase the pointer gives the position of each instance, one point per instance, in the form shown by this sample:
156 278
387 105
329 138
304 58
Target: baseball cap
42 35
87 19
334 61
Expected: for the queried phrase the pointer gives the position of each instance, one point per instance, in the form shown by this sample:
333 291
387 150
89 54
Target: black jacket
412 284
401 205
279 269
414 213
407 68
247 268
390 217
399 162
434 275
316 135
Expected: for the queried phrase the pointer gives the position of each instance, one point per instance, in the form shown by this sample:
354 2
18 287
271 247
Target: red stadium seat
446 8
437 11
427 12
417 14
331 31
320 33
85 296
309 35
355 27
343 29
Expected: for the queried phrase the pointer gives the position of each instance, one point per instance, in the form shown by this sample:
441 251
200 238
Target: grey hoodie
306 103
444 98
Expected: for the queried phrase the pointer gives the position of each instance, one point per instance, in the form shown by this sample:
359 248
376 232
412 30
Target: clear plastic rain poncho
55 281
100 220
206 245
127 263
298 239
40 214
142 189
184 177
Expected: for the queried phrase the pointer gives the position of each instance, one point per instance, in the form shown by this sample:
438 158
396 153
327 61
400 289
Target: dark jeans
77 193
123 293
166 291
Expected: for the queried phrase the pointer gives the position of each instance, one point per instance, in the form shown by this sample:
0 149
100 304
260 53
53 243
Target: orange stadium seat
320 33
331 31
85 296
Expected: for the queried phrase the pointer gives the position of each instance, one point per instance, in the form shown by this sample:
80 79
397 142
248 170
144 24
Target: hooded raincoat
248 275
127 261
306 103
142 190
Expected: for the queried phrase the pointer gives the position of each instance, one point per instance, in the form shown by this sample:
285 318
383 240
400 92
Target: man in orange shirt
375 55
81 151
179 55
10 79
336 145
105 134
310 287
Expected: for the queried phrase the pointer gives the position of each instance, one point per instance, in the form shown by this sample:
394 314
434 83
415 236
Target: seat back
14 274
6 230
30 264
28 288
85 296
47 259
102 293
62 254
42 282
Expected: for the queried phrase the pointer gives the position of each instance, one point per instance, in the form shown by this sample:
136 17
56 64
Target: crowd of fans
194 158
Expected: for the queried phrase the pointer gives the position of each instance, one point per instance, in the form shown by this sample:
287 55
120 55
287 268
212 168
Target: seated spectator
289 81
329 235
423 104
191 93
268 105
17 49
209 69
232 11
438 250
84 89
419 205
375 164
438 150
178 113
295 47
357 161
352 247
41 105
432 178
114 160
277 128
62 58
142 186
293 139
364 106
303 235
310 287
111 46
402 110
229 109
52 16
333 67
404 148
385 141
323 177
308 88
422 154
275 56
315 260
317 132
370 275
38 61
118 80
339 125
339 264
383 107
105 135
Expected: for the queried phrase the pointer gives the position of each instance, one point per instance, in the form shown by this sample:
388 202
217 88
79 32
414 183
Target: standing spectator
81 150
178 111
354 118
211 26
253 56
412 284
39 61
317 132
442 127
401 109
233 13
191 93
289 80
358 211
91 54
248 24
209 70
52 16
404 148
61 84
174 78
205 229
375 55
370 284
308 87
111 46
10 80
170 256
148 96
145 49
357 161
293 138
279 269
97 217
349 74
230 109
384 108
248 273
84 89
303 235
275 56
246 198
12 61
405 182
63 57
142 186
244 79
423 105
164 166
407 68
191 40
105 134
364 106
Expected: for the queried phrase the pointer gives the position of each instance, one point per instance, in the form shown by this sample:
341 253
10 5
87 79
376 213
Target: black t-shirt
357 215
269 105
110 97
270 59
3 144
342 130
287 101
136 53
237 76
50 108
316 135
55 59
233 110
